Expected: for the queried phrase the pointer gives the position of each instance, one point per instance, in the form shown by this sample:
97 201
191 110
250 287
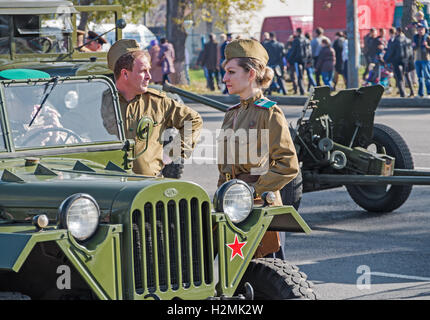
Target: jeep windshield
76 112
44 33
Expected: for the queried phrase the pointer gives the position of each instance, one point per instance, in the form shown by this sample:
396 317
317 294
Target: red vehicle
331 15
285 26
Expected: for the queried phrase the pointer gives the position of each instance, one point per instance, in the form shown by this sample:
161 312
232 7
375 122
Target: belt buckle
227 177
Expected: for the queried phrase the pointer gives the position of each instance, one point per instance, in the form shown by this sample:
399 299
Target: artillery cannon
338 144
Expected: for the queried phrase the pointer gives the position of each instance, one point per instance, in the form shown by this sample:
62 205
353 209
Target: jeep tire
13 296
276 279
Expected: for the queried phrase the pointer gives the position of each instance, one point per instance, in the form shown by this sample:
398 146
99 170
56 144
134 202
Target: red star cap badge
236 247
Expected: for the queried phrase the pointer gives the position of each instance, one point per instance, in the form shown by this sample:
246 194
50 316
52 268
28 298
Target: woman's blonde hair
264 74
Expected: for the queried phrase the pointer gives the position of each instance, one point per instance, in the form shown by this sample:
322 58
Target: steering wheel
43 44
69 133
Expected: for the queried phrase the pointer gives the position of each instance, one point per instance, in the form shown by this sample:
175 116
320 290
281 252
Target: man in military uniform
131 67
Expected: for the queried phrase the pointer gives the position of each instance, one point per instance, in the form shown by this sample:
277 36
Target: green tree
219 12
410 8
177 12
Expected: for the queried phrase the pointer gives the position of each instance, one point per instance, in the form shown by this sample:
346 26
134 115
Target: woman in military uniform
247 75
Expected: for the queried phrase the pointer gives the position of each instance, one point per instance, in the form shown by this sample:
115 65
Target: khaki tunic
278 158
166 113
281 158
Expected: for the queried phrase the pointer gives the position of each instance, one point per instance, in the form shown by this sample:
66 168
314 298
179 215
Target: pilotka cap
246 48
120 48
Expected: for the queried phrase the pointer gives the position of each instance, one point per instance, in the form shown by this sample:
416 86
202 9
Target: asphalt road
351 254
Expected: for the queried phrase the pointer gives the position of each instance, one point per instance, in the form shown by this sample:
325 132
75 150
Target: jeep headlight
235 199
79 214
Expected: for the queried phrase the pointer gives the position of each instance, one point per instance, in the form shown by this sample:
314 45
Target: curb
300 101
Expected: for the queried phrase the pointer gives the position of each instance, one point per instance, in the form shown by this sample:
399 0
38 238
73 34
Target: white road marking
400 276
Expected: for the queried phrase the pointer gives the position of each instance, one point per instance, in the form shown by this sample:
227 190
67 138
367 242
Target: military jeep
77 223
43 35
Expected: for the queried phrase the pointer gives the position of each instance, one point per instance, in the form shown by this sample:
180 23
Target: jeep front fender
248 235
97 260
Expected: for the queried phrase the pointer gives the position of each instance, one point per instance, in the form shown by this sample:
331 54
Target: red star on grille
236 247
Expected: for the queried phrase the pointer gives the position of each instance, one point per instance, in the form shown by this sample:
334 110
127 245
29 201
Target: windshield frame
57 149
72 54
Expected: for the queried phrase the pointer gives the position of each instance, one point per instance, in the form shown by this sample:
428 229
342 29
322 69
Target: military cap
93 35
246 48
120 48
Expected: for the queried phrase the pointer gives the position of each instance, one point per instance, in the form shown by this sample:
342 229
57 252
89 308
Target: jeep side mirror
120 23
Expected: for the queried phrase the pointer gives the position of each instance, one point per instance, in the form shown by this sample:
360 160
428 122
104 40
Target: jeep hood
26 191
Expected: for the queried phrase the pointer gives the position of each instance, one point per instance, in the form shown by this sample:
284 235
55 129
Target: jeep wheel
13 296
385 198
276 279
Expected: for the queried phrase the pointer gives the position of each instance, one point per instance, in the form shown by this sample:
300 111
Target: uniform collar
121 98
247 102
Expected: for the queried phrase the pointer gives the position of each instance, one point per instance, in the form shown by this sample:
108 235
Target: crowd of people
307 60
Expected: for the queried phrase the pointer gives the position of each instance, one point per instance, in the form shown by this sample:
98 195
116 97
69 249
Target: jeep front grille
172 246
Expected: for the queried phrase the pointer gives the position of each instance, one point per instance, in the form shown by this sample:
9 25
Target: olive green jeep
44 35
77 223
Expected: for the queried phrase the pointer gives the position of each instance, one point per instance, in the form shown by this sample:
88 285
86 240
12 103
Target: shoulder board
234 107
156 92
264 103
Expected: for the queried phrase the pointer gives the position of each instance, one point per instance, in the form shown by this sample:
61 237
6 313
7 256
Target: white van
138 32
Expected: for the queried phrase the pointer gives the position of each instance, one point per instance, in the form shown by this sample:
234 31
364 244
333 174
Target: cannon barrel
195 97
345 179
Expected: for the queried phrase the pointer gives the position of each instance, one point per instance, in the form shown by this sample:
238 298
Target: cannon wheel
388 197
276 279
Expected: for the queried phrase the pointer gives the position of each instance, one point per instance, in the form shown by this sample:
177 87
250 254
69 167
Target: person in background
297 56
420 17
325 63
210 60
227 40
187 65
166 58
291 70
316 49
421 46
276 51
345 59
156 71
266 38
338 44
369 49
93 43
310 71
